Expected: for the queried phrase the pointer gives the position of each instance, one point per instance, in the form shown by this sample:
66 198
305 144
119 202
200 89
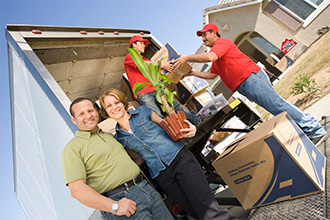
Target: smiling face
85 116
209 38
139 46
114 108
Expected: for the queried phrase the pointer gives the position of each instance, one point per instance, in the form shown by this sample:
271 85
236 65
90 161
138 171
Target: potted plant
174 121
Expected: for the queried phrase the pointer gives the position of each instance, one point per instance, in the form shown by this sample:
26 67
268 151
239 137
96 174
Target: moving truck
50 66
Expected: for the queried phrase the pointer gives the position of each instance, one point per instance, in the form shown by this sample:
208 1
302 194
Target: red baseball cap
138 38
206 28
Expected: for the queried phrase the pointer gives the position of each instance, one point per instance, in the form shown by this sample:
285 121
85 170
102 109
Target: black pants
184 181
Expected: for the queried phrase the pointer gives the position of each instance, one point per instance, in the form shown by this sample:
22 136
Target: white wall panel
40 134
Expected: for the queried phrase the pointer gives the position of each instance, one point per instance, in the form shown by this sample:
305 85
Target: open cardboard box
272 163
198 100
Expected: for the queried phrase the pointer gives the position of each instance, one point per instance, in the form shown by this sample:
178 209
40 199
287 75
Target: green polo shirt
100 159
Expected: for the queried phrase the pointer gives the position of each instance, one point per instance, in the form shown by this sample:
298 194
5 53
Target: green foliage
304 84
156 79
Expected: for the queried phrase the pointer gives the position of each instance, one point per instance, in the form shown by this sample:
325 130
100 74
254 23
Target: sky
173 21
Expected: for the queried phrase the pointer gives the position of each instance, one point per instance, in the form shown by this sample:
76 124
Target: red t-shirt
134 75
233 66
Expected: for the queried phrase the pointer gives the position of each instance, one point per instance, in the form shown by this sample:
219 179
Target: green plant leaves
138 60
153 75
169 96
304 84
165 79
138 87
158 97
154 70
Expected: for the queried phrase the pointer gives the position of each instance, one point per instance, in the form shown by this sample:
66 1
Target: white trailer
49 66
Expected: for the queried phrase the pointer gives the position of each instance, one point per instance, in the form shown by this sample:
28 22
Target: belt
124 186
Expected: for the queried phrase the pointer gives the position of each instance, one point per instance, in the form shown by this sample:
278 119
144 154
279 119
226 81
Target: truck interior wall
85 68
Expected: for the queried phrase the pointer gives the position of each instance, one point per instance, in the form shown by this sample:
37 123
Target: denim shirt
149 140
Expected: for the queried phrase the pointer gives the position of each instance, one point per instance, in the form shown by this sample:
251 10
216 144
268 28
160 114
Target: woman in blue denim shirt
175 168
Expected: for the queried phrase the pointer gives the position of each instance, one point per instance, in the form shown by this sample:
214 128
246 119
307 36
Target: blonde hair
115 93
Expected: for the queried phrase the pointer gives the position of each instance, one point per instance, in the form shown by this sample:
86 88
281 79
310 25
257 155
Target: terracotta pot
173 123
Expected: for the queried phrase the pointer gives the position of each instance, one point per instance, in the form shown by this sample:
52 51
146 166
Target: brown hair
115 93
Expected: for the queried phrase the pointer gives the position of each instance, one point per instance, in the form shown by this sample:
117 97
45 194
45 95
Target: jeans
190 116
149 205
258 88
149 99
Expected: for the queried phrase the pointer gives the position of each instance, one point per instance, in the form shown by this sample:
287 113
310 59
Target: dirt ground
315 61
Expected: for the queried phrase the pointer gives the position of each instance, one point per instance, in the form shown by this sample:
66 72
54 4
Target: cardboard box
193 84
272 163
108 125
168 53
272 59
219 136
187 87
284 63
198 100
174 77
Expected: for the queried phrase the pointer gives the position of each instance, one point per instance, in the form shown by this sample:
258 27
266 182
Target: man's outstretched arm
197 58
203 75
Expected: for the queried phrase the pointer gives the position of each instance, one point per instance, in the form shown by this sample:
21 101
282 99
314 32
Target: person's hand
180 61
188 132
126 207
168 66
191 73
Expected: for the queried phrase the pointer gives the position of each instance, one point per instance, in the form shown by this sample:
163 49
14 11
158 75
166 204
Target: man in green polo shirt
101 175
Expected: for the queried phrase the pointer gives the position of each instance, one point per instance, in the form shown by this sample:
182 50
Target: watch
115 207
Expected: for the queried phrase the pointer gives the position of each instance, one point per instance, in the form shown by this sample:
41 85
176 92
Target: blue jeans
258 88
149 99
149 204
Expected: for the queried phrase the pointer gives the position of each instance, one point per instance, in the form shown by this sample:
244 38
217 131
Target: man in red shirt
147 95
239 73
